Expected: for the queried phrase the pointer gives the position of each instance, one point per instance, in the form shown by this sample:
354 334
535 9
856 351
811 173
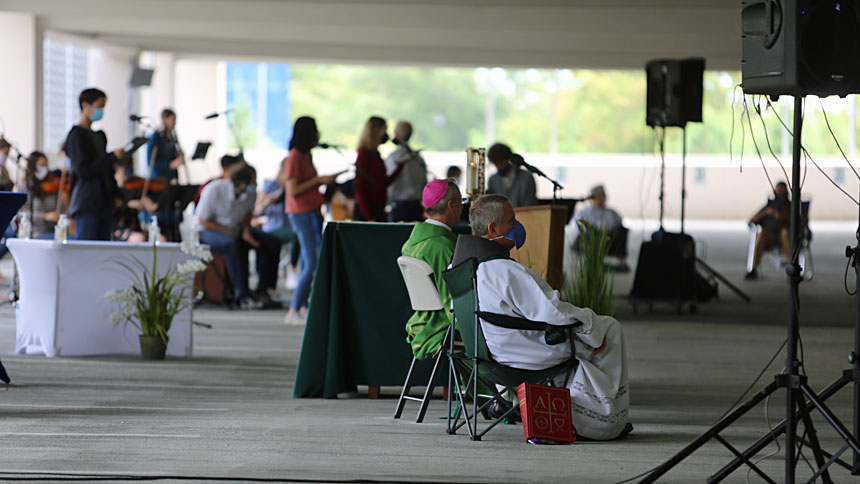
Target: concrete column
20 82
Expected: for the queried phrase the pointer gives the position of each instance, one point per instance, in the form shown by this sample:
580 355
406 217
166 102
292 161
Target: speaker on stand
796 48
667 266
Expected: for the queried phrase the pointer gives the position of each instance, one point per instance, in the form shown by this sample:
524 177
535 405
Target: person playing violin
50 191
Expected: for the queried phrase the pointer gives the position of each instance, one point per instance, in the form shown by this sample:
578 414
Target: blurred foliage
594 111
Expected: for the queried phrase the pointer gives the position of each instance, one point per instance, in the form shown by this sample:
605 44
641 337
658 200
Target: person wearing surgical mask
371 179
94 192
599 390
44 189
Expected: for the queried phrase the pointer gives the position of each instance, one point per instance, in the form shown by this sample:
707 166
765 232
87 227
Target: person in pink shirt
302 204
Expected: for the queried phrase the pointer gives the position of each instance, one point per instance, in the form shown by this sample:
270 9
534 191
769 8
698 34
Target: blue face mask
98 113
517 234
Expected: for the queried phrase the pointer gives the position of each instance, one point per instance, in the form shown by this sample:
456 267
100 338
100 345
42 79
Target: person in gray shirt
510 180
604 218
405 191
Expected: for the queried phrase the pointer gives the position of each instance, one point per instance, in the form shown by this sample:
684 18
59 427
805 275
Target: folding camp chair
776 255
474 366
418 276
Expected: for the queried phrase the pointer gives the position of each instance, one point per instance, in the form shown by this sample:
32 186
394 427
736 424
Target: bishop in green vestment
433 242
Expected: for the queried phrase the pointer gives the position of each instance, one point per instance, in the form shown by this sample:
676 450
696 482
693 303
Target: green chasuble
434 245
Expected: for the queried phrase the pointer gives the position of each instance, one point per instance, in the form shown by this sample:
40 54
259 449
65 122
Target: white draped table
62 309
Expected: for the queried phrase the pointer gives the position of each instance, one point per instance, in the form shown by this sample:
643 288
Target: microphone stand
555 185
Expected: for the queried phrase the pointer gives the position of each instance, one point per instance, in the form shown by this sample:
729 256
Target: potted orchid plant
151 303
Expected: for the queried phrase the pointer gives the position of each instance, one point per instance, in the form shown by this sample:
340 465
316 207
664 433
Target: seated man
603 218
433 242
229 164
224 216
599 390
775 220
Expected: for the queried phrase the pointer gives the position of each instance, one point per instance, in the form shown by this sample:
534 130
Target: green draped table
355 332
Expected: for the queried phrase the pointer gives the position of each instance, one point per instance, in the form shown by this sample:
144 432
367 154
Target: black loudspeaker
674 91
800 47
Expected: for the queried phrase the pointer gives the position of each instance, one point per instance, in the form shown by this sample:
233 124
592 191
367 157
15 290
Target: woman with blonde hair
371 180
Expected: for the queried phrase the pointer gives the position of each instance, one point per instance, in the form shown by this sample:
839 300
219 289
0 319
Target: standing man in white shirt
405 191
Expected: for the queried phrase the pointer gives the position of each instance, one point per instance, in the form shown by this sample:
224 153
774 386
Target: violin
138 183
54 183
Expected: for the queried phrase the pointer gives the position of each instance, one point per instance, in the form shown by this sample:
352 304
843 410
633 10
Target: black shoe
751 275
266 301
248 303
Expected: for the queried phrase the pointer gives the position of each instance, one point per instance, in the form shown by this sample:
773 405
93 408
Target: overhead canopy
526 33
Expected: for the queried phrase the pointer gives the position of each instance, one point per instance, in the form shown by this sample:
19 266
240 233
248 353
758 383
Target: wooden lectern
544 249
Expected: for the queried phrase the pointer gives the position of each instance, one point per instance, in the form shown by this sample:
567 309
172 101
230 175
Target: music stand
10 203
201 150
172 201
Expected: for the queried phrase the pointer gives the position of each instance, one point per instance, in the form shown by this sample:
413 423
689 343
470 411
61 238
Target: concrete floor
228 411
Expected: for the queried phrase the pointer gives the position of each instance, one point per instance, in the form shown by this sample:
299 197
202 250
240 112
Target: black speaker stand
800 398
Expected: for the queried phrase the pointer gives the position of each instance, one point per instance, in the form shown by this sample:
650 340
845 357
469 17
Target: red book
546 413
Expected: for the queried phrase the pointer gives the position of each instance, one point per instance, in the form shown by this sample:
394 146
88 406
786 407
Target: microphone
518 160
326 146
217 114
136 118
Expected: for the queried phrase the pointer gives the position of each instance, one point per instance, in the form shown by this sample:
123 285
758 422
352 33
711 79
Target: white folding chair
418 276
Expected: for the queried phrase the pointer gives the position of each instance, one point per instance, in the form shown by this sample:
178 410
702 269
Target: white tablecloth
62 309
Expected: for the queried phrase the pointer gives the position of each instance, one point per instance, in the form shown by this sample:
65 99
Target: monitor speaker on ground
674 95
800 47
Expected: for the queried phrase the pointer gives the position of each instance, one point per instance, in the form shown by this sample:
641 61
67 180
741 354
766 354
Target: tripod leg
3 375
831 419
775 433
735 289
710 433
813 442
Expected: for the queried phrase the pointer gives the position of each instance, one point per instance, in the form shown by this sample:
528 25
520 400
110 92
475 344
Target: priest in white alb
599 391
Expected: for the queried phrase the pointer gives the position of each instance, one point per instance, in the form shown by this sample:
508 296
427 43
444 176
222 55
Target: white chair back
418 276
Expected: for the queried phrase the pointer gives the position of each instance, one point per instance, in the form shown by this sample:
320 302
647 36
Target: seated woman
775 219
47 194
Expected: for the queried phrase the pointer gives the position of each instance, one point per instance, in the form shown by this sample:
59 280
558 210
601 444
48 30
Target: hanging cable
816 165
732 132
755 144
769 147
832 134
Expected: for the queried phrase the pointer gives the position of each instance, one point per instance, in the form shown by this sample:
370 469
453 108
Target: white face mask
41 172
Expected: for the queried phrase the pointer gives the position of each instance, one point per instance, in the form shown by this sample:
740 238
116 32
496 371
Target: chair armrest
553 334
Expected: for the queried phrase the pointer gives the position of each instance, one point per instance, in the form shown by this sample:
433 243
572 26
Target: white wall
109 69
20 41
196 95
